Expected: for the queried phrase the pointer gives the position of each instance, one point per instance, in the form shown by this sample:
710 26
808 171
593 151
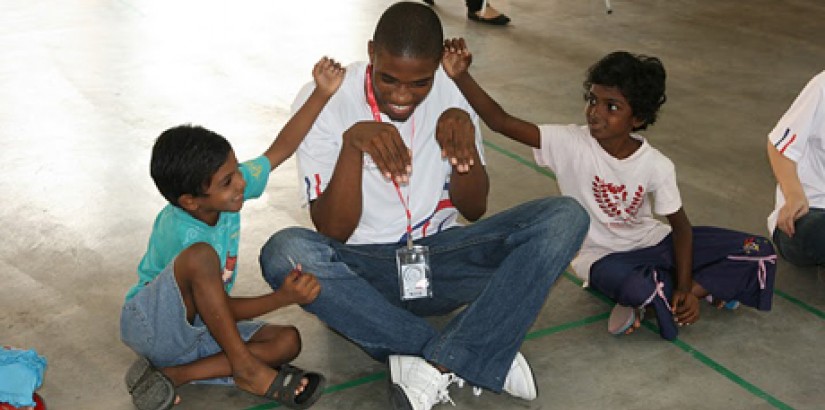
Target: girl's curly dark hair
640 78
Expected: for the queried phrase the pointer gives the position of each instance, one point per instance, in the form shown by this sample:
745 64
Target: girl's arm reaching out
456 61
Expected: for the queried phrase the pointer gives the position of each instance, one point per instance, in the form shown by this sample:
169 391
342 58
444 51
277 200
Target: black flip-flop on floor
500 20
150 389
282 389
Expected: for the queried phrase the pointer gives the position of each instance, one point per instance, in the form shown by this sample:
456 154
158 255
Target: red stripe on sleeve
317 185
793 138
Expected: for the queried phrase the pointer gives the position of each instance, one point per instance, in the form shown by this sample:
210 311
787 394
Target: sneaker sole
531 380
398 398
395 369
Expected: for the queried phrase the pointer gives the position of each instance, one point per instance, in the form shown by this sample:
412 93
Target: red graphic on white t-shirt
613 200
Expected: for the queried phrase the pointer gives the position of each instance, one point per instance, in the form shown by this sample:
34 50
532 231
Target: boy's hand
685 307
300 287
328 75
384 146
456 57
455 134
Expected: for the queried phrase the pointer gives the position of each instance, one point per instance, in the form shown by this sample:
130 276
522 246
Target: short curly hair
184 159
408 29
640 79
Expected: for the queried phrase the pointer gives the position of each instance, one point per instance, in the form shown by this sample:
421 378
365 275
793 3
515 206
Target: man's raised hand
455 134
384 145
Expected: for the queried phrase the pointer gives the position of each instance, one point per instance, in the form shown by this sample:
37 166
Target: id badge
414 272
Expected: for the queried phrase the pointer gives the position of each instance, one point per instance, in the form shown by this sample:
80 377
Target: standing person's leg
733 266
474 6
807 246
359 291
504 266
474 12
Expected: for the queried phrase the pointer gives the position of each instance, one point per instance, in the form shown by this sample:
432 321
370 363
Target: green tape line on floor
800 303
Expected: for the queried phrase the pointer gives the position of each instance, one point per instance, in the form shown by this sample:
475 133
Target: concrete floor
87 86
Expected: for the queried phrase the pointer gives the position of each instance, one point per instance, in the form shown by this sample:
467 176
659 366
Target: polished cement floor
87 86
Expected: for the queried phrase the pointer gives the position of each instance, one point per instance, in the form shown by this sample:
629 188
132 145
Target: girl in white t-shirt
629 255
796 149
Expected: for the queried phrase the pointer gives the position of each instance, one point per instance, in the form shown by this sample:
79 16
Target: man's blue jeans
807 247
501 267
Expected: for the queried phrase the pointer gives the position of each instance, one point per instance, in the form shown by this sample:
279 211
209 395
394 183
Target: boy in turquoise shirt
179 317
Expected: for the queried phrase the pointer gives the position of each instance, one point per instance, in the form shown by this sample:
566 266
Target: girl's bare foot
489 15
489 12
637 323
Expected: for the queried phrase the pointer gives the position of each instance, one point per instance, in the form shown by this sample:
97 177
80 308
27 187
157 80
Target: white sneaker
520 381
417 385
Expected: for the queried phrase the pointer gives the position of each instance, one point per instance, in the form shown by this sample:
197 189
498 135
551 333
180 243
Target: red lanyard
376 114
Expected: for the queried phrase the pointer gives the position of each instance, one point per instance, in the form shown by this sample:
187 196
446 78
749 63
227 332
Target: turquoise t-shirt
176 230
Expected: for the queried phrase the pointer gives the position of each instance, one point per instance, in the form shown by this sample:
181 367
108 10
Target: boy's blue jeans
501 267
807 247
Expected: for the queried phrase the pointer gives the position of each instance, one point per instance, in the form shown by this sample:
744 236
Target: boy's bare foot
286 384
256 381
259 381
292 387
170 374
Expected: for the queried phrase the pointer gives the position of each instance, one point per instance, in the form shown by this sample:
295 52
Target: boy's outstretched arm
328 75
684 304
456 61
299 287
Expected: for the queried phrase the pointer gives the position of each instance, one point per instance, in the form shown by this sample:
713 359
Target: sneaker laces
443 395
461 382
436 393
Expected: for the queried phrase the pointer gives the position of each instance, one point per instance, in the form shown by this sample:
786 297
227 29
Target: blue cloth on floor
21 373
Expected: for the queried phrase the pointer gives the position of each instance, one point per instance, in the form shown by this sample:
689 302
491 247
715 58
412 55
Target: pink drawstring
660 286
762 271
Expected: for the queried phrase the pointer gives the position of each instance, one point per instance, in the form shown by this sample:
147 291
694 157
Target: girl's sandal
721 304
622 318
